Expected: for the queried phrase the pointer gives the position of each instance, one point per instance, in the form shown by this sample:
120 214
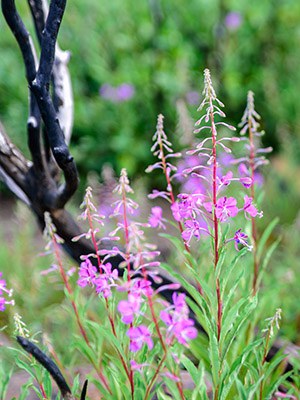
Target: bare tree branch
48 364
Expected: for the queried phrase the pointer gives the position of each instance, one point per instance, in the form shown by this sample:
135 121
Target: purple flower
2 284
179 301
129 308
87 273
192 229
250 209
121 93
138 367
233 20
171 376
241 238
227 178
2 303
179 324
156 219
184 331
193 98
246 181
225 208
281 395
3 289
125 92
175 211
139 336
141 287
107 91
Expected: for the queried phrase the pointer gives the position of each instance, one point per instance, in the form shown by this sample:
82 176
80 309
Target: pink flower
156 219
87 273
241 238
179 301
233 20
192 229
141 287
282 395
225 208
250 209
246 181
3 289
171 376
139 336
103 285
179 324
184 331
2 303
175 211
138 367
129 308
227 178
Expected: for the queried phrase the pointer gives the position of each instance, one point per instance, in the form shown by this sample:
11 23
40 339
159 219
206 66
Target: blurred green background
132 60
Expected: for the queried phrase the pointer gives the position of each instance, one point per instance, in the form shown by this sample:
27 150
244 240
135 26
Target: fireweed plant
141 346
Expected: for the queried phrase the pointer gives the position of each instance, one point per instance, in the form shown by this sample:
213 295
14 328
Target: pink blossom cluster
103 282
176 318
139 260
205 176
3 293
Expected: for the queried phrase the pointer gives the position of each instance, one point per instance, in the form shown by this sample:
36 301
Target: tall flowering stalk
140 302
207 209
222 208
54 242
249 165
139 257
272 322
162 149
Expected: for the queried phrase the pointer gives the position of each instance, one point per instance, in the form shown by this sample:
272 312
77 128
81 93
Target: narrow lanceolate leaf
191 368
229 269
232 374
238 324
200 391
265 236
271 389
222 256
241 390
230 316
267 259
228 299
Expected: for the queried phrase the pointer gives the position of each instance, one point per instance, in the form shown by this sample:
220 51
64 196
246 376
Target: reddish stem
172 197
215 221
110 317
253 221
80 325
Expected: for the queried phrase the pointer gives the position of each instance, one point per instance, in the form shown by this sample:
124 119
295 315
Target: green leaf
191 368
238 323
178 243
241 390
270 389
200 391
266 260
23 365
229 317
228 270
228 299
265 236
222 256
230 376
